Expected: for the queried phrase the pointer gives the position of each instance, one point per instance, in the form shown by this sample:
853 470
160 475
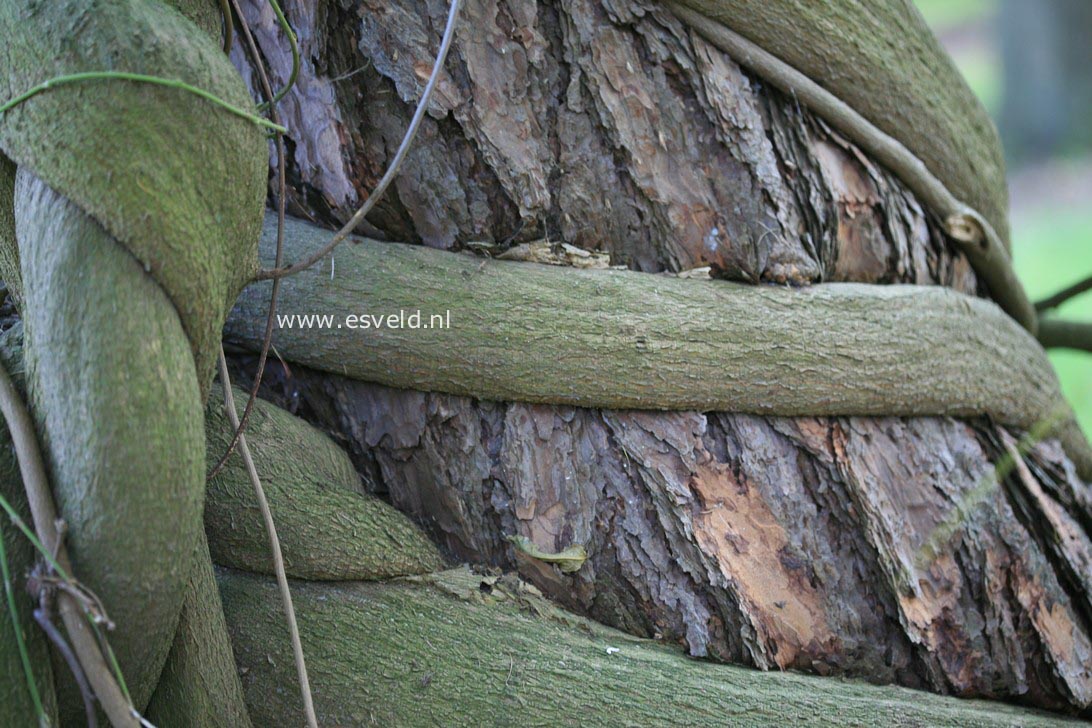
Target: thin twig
225 13
372 199
392 170
239 437
350 74
1064 295
267 338
42 616
274 546
139 78
111 695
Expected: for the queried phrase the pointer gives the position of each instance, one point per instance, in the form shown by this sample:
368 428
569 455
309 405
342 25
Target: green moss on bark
114 392
415 655
137 211
199 686
178 182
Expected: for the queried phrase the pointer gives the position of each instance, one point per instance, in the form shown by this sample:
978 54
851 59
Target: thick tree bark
877 547
606 126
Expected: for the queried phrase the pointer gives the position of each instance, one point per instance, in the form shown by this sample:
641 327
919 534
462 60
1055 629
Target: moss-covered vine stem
479 655
125 541
129 217
619 339
138 222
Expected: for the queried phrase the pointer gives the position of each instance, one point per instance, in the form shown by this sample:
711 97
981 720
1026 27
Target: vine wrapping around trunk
143 224
631 340
139 223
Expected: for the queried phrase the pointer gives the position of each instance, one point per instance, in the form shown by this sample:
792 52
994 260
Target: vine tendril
140 78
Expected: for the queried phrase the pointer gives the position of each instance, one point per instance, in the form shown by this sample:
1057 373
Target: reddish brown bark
871 547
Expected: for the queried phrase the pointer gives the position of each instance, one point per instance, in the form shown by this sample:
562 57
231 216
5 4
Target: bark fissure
607 126
773 541
799 543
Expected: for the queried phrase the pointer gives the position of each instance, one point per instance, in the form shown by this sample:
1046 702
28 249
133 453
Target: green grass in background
1052 246
944 15
1051 250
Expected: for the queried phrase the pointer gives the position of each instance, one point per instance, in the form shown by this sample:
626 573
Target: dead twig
1064 295
392 169
113 699
43 616
274 547
267 337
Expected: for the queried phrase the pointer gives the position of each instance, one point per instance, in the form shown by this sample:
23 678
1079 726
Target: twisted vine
145 224
153 248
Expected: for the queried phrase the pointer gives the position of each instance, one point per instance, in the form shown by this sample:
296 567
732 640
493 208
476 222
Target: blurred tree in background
1030 62
1046 61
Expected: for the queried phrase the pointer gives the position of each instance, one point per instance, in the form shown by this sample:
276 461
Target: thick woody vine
173 249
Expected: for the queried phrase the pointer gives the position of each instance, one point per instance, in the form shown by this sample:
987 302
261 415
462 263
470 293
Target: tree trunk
1048 89
881 548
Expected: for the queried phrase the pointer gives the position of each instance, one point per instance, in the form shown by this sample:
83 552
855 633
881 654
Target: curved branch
970 230
1055 334
620 339
1064 295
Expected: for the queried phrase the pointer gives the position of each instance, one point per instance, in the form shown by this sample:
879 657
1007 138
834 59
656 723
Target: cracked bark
874 547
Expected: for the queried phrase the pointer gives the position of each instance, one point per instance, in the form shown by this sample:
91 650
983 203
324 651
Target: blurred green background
1030 62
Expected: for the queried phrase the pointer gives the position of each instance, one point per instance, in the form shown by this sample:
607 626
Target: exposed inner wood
607 126
868 546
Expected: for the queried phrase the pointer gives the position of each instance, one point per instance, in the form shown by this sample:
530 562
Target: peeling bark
609 126
872 547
